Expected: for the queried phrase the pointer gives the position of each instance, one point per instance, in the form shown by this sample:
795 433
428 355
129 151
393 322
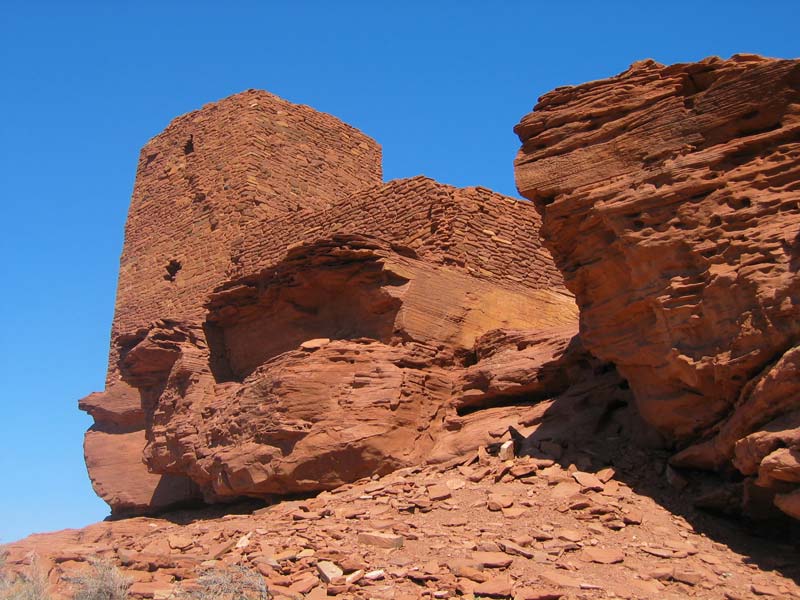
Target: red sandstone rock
209 176
669 201
287 323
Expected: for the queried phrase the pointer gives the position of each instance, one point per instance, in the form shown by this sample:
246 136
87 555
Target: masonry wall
212 175
488 235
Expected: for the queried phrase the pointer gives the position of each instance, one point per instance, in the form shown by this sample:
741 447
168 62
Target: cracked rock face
286 322
670 199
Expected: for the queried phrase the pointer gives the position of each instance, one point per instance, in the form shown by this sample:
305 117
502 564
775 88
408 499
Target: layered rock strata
286 322
670 198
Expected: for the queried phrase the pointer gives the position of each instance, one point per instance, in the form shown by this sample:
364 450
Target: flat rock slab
492 560
381 540
604 556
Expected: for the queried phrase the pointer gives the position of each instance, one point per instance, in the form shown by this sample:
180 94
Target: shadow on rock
593 432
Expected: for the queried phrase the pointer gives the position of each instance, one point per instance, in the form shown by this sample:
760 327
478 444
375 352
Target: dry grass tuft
234 583
33 585
103 582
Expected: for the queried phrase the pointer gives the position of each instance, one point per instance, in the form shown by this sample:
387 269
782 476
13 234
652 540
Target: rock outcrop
287 323
202 182
670 198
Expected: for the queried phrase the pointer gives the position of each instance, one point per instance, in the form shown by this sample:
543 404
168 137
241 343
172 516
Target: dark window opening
172 270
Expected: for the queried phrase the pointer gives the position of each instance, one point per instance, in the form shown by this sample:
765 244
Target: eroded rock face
331 366
287 323
211 174
670 201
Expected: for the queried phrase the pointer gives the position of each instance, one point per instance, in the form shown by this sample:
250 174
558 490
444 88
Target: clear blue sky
84 85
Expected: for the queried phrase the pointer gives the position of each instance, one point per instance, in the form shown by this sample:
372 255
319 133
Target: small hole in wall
739 203
545 200
172 270
188 147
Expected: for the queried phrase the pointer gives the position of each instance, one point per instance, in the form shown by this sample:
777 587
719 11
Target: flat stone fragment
558 580
178 541
522 470
761 589
659 552
570 535
315 344
604 556
512 548
492 560
479 474
605 475
354 577
514 512
438 492
306 583
381 540
565 489
375 575
318 593
634 517
506 451
587 481
498 502
687 576
328 571
468 569
455 484
499 587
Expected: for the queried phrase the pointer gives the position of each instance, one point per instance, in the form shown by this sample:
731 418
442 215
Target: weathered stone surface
536 363
669 198
286 322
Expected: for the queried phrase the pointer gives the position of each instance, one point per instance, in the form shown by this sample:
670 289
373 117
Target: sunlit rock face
670 201
286 322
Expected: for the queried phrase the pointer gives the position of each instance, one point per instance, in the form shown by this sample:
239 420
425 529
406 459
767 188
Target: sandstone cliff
669 198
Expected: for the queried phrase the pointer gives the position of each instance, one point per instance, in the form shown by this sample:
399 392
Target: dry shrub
103 582
5 577
233 583
32 585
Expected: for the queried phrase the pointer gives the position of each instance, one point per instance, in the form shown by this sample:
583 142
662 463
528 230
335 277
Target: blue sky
85 84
